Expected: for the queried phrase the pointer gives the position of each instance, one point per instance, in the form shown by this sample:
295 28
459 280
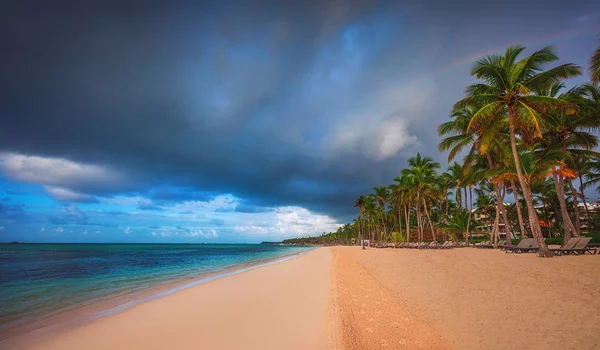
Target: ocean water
39 280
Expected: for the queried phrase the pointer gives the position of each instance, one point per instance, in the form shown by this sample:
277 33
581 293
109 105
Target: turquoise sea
39 280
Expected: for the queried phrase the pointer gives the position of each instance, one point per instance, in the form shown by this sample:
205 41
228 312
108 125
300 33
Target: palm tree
369 211
360 204
381 196
422 174
510 85
595 67
405 190
457 223
484 140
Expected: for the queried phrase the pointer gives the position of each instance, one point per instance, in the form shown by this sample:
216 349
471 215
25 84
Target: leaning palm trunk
533 219
430 222
500 204
419 227
577 231
567 223
384 235
495 230
519 213
504 216
470 212
407 215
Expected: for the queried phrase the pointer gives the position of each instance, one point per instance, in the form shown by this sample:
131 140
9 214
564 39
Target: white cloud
67 195
127 230
84 232
97 231
153 233
224 202
393 135
42 229
385 128
287 222
1 228
58 175
59 229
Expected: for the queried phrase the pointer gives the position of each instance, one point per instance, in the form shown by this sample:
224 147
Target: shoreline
348 298
36 327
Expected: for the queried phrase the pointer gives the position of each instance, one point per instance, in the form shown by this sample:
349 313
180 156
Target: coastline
38 327
348 298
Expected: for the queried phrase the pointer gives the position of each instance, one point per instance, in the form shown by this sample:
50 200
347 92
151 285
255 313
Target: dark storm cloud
233 96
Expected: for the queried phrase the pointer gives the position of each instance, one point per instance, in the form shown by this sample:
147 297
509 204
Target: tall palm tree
422 173
406 191
509 85
381 196
360 204
484 140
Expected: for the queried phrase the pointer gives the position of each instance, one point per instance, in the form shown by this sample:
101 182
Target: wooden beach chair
484 245
524 243
569 245
533 248
581 247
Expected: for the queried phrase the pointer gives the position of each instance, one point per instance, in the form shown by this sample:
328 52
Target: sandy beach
467 299
280 306
346 298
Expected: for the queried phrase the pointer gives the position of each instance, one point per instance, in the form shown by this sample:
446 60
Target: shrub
595 238
554 240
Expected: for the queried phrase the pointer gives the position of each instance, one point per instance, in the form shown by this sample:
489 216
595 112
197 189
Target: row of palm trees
520 132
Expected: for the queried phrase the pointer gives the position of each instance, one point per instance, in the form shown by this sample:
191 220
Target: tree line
519 131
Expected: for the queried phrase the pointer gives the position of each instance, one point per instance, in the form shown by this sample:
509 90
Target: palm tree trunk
568 227
360 227
407 214
430 222
383 223
533 219
419 227
576 205
519 213
495 229
587 210
466 203
447 203
504 216
500 204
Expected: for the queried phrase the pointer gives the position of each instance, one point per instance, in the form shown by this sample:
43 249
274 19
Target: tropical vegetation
518 131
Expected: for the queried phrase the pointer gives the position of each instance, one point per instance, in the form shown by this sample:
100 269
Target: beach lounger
566 247
533 248
484 244
447 245
441 246
581 247
524 243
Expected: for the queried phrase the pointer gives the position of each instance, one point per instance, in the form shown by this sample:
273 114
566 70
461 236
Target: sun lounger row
427 245
490 244
575 245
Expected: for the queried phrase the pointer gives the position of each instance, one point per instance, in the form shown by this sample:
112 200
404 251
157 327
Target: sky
236 121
